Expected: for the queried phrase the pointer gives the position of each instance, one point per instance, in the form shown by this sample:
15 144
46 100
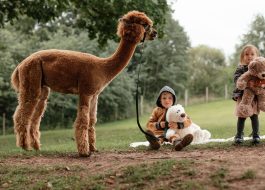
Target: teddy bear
255 73
177 114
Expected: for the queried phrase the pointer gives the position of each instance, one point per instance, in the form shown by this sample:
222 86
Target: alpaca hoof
85 154
26 148
93 149
36 147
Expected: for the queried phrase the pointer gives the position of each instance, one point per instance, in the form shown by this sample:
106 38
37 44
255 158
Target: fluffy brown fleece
72 72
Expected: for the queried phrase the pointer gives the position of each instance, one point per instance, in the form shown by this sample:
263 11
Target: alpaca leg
36 118
29 91
92 123
245 108
81 126
21 119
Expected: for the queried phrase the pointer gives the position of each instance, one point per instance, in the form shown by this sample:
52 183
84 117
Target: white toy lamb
177 114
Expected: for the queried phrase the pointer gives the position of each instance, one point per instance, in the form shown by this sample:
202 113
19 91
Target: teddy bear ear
252 67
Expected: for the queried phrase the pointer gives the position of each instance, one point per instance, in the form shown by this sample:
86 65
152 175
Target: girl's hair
248 46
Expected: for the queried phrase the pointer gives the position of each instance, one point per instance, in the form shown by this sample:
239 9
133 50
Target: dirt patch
243 166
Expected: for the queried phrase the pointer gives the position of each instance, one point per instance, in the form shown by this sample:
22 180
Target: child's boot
179 145
239 138
255 129
256 139
255 135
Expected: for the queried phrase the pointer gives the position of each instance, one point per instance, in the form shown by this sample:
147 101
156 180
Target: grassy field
217 117
120 167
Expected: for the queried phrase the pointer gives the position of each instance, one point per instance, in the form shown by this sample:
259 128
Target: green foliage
117 101
206 69
164 58
39 10
97 17
255 36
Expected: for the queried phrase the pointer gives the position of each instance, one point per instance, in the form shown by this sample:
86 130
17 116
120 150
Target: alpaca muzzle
154 33
151 33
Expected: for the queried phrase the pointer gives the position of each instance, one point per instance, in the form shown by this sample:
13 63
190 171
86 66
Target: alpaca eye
146 26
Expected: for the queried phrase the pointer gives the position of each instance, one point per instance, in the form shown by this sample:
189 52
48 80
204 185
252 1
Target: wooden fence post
206 94
226 92
186 97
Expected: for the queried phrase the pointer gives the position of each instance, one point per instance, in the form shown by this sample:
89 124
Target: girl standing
248 53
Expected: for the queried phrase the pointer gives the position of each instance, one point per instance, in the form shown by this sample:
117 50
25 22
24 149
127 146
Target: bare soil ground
244 165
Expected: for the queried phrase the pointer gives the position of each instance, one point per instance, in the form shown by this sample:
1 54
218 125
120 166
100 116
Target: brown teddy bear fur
72 72
256 73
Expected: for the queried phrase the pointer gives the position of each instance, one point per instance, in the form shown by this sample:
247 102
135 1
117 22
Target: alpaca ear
123 20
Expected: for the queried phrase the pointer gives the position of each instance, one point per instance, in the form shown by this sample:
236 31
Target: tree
206 69
255 36
99 18
165 61
117 100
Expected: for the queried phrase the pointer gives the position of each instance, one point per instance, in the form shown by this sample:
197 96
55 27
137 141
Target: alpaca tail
15 79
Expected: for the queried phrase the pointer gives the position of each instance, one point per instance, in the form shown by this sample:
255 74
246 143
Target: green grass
142 176
249 174
218 117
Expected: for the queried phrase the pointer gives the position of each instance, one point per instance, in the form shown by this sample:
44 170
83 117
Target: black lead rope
137 95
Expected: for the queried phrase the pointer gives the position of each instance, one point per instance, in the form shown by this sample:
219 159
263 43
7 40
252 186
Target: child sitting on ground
157 124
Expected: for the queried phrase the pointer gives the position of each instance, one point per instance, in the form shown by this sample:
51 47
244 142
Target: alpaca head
136 26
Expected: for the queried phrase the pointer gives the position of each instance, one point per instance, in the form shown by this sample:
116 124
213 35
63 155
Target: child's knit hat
165 89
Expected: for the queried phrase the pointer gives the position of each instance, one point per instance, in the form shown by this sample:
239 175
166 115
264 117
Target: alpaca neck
120 59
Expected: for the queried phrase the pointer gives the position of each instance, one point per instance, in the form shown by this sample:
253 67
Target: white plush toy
177 114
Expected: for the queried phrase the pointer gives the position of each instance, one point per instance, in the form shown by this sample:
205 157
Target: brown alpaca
72 72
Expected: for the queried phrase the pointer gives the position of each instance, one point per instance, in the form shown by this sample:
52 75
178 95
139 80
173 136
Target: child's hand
172 125
162 124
